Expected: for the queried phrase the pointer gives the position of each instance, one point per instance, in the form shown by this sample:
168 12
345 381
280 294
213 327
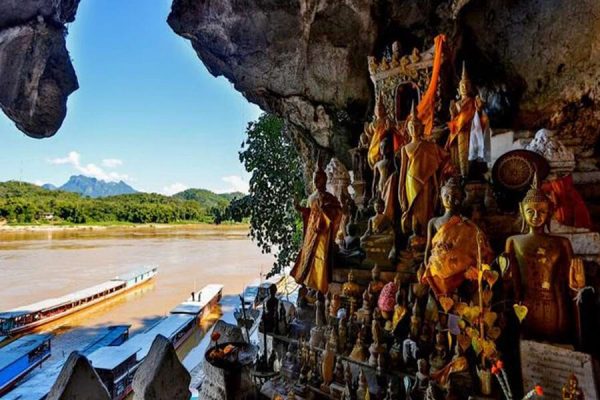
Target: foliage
22 202
276 181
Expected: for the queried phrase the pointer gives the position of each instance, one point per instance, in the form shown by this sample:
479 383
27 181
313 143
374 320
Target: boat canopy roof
132 274
20 347
112 356
59 301
203 296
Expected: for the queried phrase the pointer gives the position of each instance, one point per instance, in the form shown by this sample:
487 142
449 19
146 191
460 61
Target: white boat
28 317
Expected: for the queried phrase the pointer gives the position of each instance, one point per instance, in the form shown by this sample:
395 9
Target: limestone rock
161 375
78 380
36 74
547 144
14 12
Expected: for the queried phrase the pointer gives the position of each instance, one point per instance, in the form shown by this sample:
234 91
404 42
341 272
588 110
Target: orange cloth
426 107
569 207
321 224
462 122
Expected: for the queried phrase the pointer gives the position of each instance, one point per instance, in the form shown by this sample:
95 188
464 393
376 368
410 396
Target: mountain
92 187
49 186
207 198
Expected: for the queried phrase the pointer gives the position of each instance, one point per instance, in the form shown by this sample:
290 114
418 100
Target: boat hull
9 385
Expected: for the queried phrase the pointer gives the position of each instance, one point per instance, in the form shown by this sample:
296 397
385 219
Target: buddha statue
379 236
334 305
452 196
328 361
437 358
359 353
453 248
421 163
376 131
321 223
363 315
376 283
545 275
351 288
468 128
383 169
571 389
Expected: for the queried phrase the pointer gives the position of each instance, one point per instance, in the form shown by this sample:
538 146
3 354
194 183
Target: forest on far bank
26 203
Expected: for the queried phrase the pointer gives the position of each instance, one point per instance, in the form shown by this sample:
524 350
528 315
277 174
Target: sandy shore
58 228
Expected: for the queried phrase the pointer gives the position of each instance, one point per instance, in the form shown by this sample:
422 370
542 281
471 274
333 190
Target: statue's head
320 179
379 205
380 108
536 207
384 146
465 88
414 124
452 194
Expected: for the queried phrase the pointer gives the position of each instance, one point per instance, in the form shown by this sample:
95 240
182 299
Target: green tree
276 181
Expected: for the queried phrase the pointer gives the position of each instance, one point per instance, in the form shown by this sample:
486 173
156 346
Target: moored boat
20 357
25 318
116 366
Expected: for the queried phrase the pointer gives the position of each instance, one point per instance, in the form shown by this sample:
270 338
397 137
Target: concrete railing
160 376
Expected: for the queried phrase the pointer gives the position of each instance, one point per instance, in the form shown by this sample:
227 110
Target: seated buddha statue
379 236
457 246
376 283
350 288
544 273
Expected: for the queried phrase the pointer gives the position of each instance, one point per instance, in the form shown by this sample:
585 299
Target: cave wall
306 59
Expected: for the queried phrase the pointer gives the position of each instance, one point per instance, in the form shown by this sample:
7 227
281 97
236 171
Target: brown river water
36 265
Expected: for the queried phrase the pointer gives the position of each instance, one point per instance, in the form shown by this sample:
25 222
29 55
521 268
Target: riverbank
225 227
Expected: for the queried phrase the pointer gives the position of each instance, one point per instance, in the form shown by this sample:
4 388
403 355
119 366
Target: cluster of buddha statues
444 318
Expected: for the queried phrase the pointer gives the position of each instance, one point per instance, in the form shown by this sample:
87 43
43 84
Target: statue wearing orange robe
321 223
463 113
379 129
419 181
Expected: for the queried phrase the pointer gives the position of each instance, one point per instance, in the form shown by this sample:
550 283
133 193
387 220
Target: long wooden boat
39 384
116 366
26 318
18 358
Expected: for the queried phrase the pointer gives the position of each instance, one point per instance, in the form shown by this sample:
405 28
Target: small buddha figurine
415 320
467 118
328 361
334 305
383 169
437 359
321 224
363 386
376 284
377 347
339 373
271 315
363 315
350 247
359 353
421 163
545 274
379 236
571 389
409 350
342 334
351 288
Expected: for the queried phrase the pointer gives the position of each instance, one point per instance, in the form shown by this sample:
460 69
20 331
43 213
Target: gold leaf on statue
491 277
489 318
463 341
494 333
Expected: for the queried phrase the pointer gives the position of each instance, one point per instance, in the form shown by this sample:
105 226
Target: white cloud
91 170
174 188
112 162
38 183
237 184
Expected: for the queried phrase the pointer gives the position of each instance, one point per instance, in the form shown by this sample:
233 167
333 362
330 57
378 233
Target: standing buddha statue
544 272
376 131
419 181
467 125
321 223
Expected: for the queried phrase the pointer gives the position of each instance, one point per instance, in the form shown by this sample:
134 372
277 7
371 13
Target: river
40 264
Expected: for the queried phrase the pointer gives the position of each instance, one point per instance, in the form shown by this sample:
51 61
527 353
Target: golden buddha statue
383 170
544 272
571 389
379 236
454 245
462 114
351 288
452 196
321 223
418 188
376 284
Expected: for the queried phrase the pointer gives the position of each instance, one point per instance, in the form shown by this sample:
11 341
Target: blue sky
147 110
